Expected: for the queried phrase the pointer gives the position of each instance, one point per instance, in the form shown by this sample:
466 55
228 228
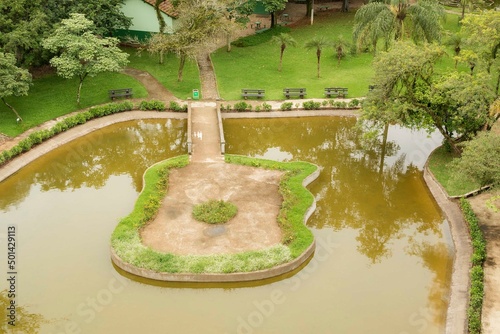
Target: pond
383 259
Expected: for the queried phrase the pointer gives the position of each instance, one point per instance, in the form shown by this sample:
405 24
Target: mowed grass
257 66
440 165
166 73
52 96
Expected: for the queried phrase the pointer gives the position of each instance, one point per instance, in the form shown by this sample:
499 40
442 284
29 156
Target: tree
317 43
483 38
480 159
272 6
82 53
408 92
341 45
107 15
388 19
283 40
455 41
14 81
199 25
23 25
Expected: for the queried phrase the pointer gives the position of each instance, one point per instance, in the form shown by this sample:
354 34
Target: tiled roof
166 7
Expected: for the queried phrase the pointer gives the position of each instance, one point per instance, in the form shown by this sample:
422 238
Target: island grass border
128 252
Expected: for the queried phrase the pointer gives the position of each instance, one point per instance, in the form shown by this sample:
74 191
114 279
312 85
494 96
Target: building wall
144 16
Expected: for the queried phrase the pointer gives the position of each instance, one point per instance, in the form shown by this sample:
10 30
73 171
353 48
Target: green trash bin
196 94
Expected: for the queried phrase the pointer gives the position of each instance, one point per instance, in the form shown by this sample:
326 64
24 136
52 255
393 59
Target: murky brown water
382 264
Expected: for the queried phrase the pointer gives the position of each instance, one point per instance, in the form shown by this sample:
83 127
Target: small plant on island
215 211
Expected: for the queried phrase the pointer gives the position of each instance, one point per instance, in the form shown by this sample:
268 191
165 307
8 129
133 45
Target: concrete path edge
456 317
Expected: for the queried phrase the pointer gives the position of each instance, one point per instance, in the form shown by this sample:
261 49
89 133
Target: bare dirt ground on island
254 191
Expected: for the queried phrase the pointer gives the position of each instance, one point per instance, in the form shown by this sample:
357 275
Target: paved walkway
205 133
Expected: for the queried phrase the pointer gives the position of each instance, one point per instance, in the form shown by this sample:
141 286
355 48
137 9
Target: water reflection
373 189
23 322
125 148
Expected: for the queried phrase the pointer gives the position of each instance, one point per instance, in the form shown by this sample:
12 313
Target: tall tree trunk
80 84
228 42
273 20
345 6
309 7
12 108
498 83
384 148
318 54
463 11
161 21
281 57
182 62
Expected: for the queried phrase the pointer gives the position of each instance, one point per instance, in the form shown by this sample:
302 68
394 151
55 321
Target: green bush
242 106
152 105
286 106
25 144
354 103
476 274
267 106
260 38
311 105
38 137
174 106
258 108
340 104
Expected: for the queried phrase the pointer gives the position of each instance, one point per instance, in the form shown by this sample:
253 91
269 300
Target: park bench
289 92
124 92
258 93
335 92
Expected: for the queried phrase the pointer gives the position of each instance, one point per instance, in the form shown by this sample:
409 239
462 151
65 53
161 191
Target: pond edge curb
456 315
228 277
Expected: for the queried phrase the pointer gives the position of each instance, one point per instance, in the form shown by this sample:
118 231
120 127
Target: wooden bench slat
300 92
123 92
336 91
248 92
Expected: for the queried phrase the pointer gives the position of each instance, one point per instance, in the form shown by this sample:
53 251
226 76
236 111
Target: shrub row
40 136
286 106
477 273
160 106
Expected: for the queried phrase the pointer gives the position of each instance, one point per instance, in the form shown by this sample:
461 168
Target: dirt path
489 221
156 91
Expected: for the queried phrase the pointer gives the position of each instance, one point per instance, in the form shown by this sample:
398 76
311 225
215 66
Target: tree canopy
82 53
24 24
409 92
480 159
395 19
14 81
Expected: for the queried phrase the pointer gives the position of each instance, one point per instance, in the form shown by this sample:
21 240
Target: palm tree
387 18
283 40
341 46
317 43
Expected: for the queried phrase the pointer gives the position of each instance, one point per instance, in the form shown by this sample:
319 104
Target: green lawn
166 73
53 96
256 66
439 164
